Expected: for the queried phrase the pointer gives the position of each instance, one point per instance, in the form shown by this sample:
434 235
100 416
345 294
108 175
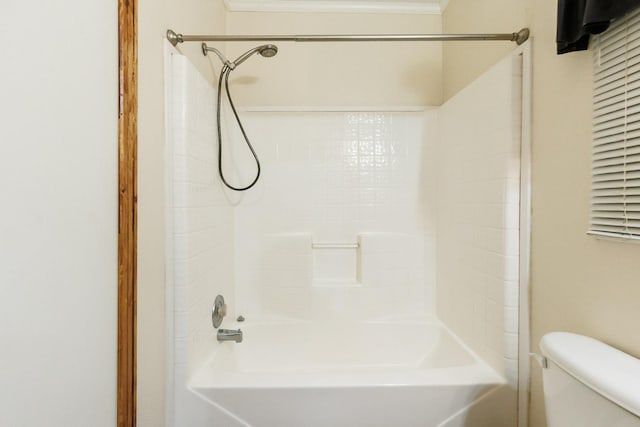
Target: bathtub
351 374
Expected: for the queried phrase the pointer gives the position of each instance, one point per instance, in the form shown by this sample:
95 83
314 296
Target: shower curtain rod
519 37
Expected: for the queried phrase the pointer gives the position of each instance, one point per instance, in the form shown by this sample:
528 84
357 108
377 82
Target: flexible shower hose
224 74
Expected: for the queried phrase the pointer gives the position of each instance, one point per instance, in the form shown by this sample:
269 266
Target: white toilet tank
588 383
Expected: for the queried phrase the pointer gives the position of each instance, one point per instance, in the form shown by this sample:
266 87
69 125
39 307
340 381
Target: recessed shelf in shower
335 263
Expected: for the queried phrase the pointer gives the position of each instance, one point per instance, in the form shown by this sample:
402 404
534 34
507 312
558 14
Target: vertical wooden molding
127 215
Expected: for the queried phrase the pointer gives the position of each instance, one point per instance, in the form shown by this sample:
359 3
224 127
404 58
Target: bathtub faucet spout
230 335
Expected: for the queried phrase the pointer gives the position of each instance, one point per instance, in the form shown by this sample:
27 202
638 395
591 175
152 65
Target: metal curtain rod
519 37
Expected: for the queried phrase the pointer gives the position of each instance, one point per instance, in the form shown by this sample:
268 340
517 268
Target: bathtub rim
478 372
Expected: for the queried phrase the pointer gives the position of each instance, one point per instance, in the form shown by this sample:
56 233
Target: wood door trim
127 211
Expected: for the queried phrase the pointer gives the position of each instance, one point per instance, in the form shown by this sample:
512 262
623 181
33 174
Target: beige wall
579 284
187 16
464 61
338 73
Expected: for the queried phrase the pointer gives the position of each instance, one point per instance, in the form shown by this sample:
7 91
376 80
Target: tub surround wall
342 177
342 224
202 235
478 215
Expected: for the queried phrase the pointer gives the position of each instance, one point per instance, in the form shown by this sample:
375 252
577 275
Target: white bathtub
358 374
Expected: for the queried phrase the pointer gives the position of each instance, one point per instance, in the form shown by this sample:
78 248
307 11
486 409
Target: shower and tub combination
346 266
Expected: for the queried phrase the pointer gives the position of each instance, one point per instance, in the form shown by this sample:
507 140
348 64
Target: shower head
267 50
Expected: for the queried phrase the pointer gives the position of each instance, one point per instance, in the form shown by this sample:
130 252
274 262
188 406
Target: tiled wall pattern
202 217
356 178
478 215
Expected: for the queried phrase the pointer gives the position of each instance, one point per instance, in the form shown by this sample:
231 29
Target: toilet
588 383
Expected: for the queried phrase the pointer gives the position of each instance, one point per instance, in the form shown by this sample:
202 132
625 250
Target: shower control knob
219 311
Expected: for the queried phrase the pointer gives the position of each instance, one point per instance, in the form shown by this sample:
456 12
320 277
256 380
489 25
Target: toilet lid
606 370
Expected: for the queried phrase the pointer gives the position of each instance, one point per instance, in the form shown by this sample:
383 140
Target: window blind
615 185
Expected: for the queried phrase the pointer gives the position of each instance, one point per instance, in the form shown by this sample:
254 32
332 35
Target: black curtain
578 19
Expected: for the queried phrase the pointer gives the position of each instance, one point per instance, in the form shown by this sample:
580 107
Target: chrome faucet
230 335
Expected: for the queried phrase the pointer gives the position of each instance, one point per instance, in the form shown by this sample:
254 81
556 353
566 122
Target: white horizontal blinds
615 190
